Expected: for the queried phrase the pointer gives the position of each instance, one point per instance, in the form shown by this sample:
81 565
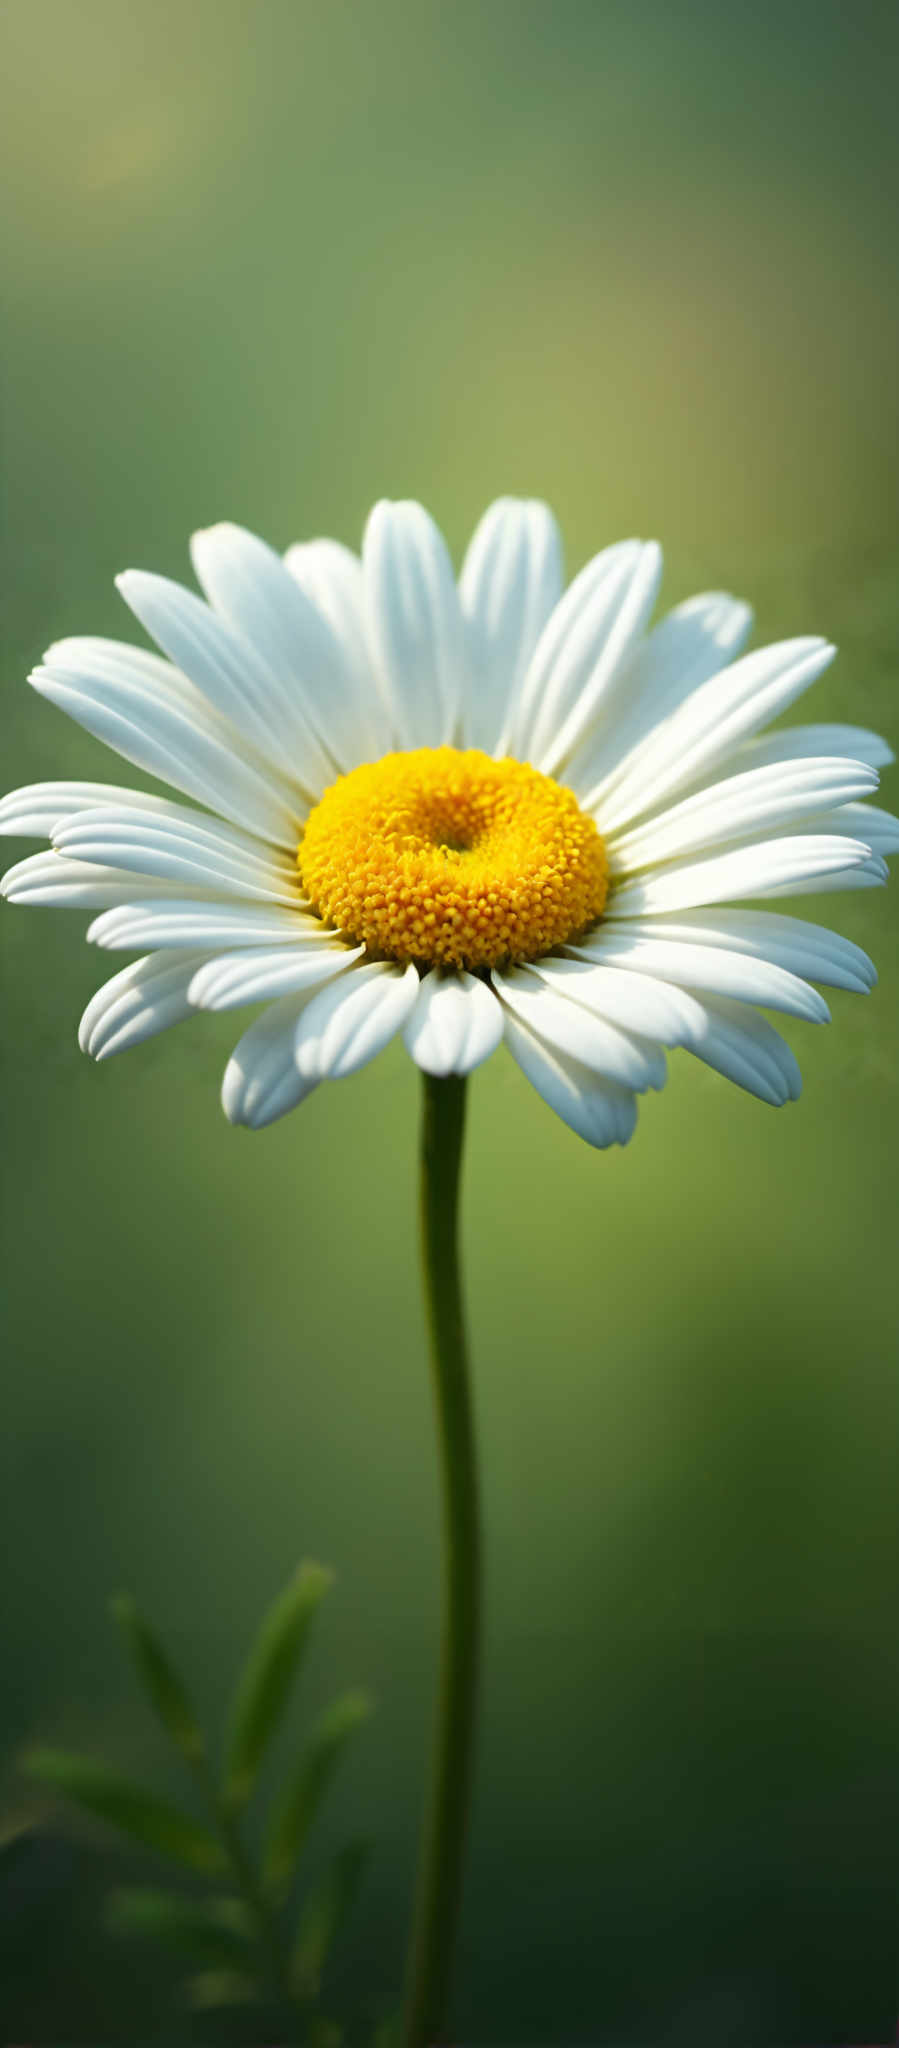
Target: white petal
46 879
185 744
578 1033
415 623
710 967
143 999
90 660
179 848
870 874
455 1023
730 707
261 1079
331 576
802 949
88 656
596 1109
770 867
763 797
348 1023
878 829
632 1001
799 742
692 643
248 583
32 812
231 674
582 651
231 980
163 814
744 1047
195 921
511 581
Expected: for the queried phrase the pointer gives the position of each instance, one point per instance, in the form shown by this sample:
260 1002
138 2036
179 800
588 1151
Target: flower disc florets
451 858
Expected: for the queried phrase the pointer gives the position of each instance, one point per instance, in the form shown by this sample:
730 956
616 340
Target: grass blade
265 1684
128 1807
295 1813
323 1916
160 1680
214 1930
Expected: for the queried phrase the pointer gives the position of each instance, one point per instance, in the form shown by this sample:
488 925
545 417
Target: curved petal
583 650
201 921
230 980
802 949
455 1023
693 642
510 583
746 1049
231 674
49 880
732 706
92 660
877 829
247 582
712 968
143 999
800 742
869 874
179 848
164 815
261 1080
331 576
348 1023
633 1001
89 655
182 742
414 623
598 1110
764 868
33 811
580 1034
769 799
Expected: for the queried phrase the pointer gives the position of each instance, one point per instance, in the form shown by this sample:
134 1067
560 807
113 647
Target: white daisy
471 813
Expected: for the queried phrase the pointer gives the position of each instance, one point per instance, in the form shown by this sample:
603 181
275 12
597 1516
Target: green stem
440 1870
250 1885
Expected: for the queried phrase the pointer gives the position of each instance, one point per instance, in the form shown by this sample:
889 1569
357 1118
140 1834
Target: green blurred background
269 262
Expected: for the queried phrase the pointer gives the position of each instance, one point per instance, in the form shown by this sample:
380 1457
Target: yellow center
451 858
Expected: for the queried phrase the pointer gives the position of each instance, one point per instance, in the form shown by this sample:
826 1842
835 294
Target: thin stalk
439 1886
252 1889
251 1885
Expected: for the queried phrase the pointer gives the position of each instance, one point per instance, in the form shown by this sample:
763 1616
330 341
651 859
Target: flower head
474 813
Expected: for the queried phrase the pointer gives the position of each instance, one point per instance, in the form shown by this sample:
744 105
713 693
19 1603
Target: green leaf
216 1988
128 1807
160 1679
295 1813
323 1915
267 1678
217 1929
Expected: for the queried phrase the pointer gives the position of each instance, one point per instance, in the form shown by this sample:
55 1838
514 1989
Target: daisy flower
474 813
489 812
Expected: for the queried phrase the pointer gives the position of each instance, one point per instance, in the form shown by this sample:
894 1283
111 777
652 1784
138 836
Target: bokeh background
270 261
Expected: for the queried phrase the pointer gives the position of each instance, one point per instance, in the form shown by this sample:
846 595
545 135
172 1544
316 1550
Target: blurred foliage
268 262
252 1945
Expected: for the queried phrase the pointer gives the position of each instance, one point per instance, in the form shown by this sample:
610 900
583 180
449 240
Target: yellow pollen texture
450 858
